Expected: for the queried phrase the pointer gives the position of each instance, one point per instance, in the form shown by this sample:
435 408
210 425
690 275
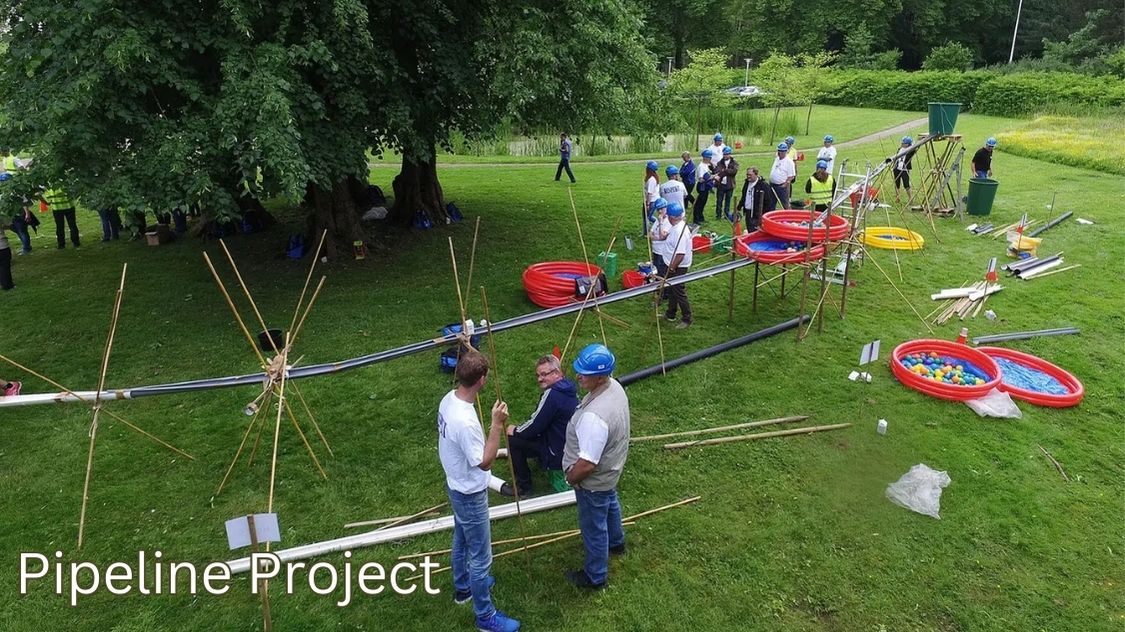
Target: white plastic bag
919 490
996 404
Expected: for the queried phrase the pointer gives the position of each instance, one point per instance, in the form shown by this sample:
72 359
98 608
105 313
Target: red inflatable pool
551 283
948 355
1063 379
773 250
788 225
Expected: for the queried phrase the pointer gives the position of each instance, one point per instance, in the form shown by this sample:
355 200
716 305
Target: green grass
791 534
1093 143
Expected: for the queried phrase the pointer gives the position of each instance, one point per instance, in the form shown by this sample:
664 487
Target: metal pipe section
316 370
625 380
380 536
1051 224
1024 335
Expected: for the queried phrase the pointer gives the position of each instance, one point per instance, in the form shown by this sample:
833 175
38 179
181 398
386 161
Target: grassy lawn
842 122
1094 143
791 533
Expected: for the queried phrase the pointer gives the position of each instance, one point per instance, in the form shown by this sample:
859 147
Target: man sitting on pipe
597 444
544 434
466 456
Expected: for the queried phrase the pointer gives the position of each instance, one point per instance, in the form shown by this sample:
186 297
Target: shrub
1015 95
898 90
951 56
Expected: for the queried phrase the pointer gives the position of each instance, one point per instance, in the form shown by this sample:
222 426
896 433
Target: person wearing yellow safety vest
22 219
63 210
821 186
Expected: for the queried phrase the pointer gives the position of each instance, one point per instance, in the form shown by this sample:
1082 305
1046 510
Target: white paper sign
870 353
265 524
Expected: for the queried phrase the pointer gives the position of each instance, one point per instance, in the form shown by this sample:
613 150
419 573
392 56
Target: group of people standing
583 445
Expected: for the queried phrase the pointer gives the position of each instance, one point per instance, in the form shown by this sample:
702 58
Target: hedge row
983 92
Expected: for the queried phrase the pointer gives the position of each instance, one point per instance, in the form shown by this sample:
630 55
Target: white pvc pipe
32 399
371 538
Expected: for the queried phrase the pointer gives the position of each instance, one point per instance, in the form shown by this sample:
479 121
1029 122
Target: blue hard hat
659 203
991 142
595 359
672 170
822 164
783 146
707 153
829 139
789 140
675 209
653 165
906 140
727 150
718 137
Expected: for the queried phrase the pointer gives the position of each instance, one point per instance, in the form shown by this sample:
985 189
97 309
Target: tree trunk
417 188
334 210
773 130
808 118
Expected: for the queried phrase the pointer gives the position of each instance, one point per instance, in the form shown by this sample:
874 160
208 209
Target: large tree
159 103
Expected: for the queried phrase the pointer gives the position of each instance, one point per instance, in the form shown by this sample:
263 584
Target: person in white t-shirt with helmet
673 190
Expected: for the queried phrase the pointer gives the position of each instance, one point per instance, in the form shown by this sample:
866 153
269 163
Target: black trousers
6 282
564 163
519 451
677 297
67 215
700 207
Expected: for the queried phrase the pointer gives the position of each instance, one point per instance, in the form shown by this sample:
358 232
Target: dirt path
895 131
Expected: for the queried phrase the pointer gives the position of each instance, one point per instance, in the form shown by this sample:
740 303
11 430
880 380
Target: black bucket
276 336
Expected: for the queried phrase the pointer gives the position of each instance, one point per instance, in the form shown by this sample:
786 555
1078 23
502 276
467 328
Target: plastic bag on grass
996 404
919 490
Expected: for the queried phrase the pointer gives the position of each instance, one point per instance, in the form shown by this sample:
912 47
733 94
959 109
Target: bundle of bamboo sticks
968 305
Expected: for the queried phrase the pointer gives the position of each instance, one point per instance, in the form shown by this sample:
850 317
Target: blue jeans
722 202
780 196
19 227
982 174
599 519
471 558
111 223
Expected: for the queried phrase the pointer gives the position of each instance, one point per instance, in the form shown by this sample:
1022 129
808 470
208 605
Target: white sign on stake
870 353
265 524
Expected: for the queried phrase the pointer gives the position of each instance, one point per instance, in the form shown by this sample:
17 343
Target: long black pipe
1051 224
710 351
315 370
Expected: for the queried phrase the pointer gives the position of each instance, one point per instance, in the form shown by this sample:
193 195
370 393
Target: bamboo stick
304 440
241 445
308 411
394 522
98 403
472 257
1045 274
308 278
308 308
277 424
1058 466
246 290
542 536
234 310
867 256
381 521
752 437
751 424
585 255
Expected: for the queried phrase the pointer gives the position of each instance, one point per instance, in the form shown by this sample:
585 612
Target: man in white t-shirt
678 260
828 152
782 175
717 147
466 456
673 191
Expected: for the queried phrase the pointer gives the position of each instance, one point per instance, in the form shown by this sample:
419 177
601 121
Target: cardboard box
162 235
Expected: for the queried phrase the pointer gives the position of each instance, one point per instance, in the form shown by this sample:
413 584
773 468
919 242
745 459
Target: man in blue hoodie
543 436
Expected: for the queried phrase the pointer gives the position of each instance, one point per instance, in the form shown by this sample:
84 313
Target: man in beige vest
597 444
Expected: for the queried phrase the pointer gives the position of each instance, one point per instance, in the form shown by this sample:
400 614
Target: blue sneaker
498 622
461 598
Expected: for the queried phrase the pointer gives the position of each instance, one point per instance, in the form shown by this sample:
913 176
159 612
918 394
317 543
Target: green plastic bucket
943 118
608 263
982 192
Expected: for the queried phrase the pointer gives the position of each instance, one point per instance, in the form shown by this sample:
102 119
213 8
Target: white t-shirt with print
678 244
461 445
674 191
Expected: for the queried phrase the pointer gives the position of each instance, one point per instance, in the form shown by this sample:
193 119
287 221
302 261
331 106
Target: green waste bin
608 263
982 192
943 118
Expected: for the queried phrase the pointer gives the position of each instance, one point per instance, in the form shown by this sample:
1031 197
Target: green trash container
943 118
608 263
982 192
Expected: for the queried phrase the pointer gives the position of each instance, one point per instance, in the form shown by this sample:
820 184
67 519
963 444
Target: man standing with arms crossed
597 444
466 456
782 175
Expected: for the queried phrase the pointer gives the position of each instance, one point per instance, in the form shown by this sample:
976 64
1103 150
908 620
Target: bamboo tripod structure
97 406
276 389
